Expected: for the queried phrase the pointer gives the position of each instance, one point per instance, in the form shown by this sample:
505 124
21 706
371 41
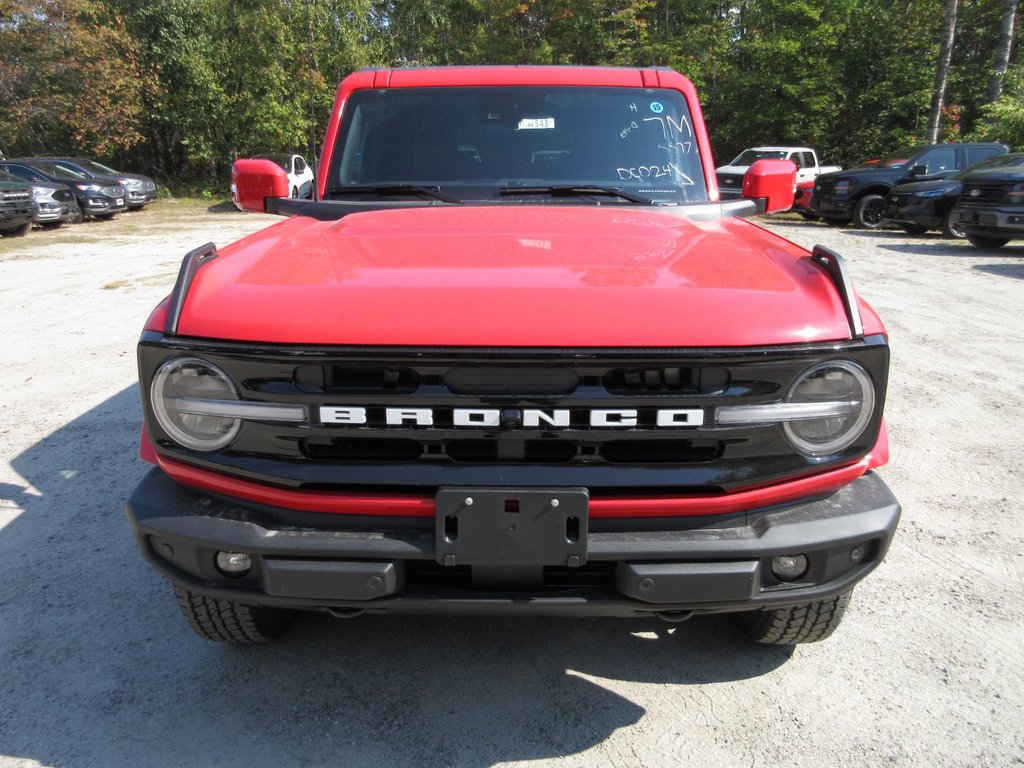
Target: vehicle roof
779 149
517 74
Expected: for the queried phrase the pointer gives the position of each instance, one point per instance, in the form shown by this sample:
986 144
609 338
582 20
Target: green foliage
197 83
1004 120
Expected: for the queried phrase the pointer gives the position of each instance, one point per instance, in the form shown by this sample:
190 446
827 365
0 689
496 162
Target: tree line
180 88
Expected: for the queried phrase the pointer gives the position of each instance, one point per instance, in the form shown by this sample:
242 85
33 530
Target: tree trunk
1002 63
942 71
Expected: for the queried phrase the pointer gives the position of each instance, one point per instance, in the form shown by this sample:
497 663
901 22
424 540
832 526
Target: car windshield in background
285 161
476 143
97 168
897 159
751 156
999 161
59 171
5 176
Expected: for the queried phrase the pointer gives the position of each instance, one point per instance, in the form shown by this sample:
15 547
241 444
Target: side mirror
773 181
919 170
254 181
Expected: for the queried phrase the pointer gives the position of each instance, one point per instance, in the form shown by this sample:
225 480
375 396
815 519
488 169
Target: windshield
473 142
999 161
5 176
897 159
59 171
99 168
285 161
751 156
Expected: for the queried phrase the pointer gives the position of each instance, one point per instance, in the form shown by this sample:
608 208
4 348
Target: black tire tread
806 623
226 621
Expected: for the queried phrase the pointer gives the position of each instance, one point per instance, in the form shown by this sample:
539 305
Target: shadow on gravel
100 670
1002 270
225 206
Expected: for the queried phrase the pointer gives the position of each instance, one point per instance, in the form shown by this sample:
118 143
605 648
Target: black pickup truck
17 208
858 194
990 209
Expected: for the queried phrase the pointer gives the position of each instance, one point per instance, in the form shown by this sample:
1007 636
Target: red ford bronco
515 357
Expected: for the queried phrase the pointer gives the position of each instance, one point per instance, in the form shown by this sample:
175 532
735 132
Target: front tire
979 241
869 211
230 622
951 227
806 623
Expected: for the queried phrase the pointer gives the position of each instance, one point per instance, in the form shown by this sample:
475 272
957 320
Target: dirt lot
100 670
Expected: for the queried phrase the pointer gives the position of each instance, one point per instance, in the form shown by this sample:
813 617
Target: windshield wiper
394 189
573 190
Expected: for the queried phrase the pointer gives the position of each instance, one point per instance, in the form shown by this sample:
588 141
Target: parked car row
969 190
64 189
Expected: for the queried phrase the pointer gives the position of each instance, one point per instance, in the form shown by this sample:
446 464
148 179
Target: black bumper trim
705 570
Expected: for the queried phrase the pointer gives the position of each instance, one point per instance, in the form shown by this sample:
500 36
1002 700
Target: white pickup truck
730 177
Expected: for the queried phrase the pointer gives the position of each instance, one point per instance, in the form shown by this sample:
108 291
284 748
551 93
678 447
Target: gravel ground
100 670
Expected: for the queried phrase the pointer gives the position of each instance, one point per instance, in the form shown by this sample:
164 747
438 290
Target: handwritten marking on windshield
628 130
670 170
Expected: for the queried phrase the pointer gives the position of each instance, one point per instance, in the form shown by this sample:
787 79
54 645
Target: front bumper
138 198
992 222
101 205
57 212
912 212
830 205
347 564
15 215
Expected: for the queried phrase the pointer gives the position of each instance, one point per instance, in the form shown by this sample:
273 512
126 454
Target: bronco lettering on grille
529 418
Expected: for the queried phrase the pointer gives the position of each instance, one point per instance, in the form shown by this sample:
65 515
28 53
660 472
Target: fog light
789 567
233 563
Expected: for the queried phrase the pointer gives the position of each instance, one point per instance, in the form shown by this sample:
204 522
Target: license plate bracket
512 526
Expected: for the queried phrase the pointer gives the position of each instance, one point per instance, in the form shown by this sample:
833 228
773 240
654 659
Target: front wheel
806 623
869 211
230 622
979 241
951 226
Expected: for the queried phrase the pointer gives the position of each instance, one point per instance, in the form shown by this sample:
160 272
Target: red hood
516 276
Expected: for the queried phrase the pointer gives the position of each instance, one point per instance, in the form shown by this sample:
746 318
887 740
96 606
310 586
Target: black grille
421 415
987 192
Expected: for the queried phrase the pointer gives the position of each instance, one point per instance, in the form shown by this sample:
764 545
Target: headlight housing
184 392
930 193
88 187
839 400
40 194
844 187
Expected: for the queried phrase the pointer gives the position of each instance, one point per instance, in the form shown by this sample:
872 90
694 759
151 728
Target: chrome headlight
187 395
831 404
